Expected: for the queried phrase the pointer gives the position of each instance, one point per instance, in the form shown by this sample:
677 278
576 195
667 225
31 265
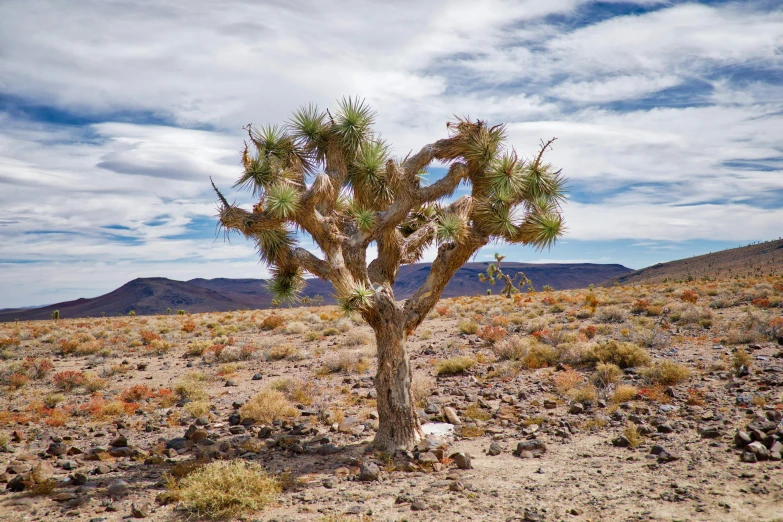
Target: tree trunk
399 426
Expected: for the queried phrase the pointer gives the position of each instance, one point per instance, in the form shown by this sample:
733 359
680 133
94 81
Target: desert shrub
540 355
566 381
357 338
230 354
198 408
606 374
623 354
93 383
421 388
511 348
741 358
328 332
224 489
191 386
295 327
610 314
9 342
589 331
666 372
147 337
17 380
136 393
689 296
283 351
297 390
632 435
51 400
268 406
37 368
583 393
198 347
159 346
312 335
189 327
355 361
455 365
476 412
467 327
272 322
68 380
492 334
624 393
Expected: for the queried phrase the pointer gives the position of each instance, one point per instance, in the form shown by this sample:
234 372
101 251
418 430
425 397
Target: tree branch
310 262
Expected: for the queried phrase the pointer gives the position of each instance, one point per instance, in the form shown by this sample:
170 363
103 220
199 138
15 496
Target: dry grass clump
476 412
197 348
268 406
610 314
224 489
511 348
741 358
357 338
667 373
295 327
455 365
606 374
192 387
421 388
198 408
283 351
624 393
468 327
583 393
294 389
632 435
623 354
272 322
566 381
540 355
355 361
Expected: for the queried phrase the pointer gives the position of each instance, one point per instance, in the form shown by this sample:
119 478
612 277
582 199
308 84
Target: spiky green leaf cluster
286 285
353 124
360 296
450 228
282 200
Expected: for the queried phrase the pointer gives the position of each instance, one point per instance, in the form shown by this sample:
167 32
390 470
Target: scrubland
645 402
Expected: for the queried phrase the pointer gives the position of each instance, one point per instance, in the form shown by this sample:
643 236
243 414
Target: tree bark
399 426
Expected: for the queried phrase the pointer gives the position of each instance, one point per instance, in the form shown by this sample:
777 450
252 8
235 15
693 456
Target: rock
759 450
139 511
122 452
118 489
668 456
119 442
230 384
575 511
56 449
328 482
234 419
451 416
65 496
712 432
348 425
462 460
327 449
576 409
236 430
532 515
257 377
17 484
428 458
418 505
102 470
456 486
748 456
494 449
177 443
369 472
17 468
78 479
69 465
742 439
621 442
665 428
432 409
549 404
42 472
535 447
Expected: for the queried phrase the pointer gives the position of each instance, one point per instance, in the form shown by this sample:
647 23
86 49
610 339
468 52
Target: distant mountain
762 258
153 295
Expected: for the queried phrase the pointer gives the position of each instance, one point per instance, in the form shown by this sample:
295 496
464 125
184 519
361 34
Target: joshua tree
331 177
494 273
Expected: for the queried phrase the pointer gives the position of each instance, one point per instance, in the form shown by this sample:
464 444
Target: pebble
536 447
369 472
462 460
494 449
451 416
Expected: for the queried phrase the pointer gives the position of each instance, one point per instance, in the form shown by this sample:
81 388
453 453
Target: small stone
230 384
78 479
575 511
118 489
42 472
428 458
536 447
17 484
759 450
532 515
65 496
576 409
369 472
257 377
451 416
56 449
328 482
177 443
668 456
742 439
119 442
712 432
621 442
749 457
234 419
494 449
418 505
456 485
102 470
139 511
432 409
549 404
665 428
462 460
236 430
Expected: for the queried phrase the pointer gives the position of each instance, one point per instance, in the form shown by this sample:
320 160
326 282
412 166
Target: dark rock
17 484
536 447
712 432
418 505
177 443
748 456
119 442
742 439
494 449
621 442
759 450
576 409
462 460
369 472
139 511
56 449
257 377
234 419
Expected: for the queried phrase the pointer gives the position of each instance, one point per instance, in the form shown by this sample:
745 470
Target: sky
114 113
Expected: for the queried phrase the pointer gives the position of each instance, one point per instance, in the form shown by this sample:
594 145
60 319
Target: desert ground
657 402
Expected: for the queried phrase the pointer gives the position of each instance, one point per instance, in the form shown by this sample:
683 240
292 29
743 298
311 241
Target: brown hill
150 296
756 260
